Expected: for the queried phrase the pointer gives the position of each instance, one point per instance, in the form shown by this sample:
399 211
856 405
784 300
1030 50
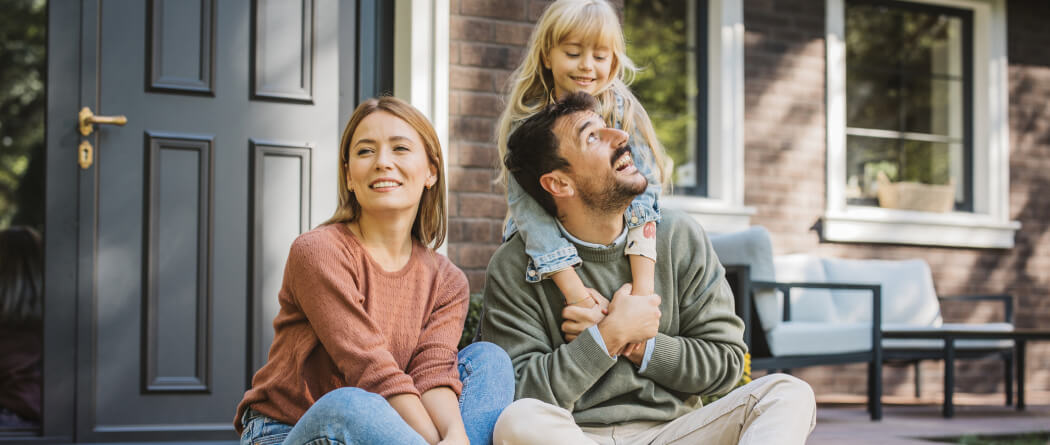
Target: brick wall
487 38
785 164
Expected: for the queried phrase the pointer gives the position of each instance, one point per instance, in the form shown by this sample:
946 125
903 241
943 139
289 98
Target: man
631 370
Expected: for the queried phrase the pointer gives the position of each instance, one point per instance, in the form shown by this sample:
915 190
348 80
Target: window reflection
23 61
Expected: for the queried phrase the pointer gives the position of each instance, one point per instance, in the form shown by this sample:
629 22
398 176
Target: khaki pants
776 409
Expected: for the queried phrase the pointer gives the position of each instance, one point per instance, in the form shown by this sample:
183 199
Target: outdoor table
1019 336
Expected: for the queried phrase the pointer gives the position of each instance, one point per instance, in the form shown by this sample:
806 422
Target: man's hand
579 317
631 319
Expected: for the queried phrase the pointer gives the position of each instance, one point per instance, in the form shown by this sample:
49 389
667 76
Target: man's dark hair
532 149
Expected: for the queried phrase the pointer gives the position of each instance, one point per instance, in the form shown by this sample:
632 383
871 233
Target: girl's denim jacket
548 250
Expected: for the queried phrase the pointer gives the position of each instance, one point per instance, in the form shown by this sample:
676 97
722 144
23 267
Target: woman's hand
587 313
459 438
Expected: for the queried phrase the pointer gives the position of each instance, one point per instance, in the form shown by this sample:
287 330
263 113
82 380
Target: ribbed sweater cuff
397 384
439 369
666 359
589 355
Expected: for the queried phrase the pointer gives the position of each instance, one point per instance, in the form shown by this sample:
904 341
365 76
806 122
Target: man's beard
607 195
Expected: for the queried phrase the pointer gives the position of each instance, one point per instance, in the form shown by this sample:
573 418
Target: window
667 40
908 77
692 86
917 93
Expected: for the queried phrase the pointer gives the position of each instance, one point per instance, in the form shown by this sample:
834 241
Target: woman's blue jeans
355 416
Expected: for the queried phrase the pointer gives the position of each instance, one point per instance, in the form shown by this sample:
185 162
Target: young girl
578 45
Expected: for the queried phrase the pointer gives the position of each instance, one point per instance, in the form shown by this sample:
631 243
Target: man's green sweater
699 349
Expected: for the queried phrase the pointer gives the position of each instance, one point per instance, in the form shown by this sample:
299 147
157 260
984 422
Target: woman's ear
432 178
545 58
558 184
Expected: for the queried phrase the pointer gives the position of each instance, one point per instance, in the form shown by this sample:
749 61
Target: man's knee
523 422
787 389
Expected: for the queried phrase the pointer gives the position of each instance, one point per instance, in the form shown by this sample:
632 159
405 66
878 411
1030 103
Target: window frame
722 210
987 225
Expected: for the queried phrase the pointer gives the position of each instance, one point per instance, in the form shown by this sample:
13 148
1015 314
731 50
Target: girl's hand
586 313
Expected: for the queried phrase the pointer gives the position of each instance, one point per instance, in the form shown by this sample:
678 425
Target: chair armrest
1007 299
876 303
786 287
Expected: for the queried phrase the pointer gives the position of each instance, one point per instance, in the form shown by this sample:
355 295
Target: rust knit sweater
344 321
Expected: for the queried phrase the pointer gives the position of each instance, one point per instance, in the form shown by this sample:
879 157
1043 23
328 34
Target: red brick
477 205
473 255
470 29
489 56
478 155
536 8
477 129
500 9
472 79
476 278
480 104
470 179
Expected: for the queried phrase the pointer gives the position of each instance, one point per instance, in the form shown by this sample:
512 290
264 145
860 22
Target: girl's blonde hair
429 227
531 85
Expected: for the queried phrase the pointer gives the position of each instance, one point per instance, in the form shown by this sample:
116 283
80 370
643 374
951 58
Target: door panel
191 215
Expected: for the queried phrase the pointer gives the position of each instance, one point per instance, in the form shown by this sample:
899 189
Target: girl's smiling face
579 65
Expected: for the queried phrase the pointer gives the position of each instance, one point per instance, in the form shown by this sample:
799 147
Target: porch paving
842 419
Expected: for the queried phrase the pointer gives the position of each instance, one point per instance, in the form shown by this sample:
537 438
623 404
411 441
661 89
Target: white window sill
714 215
955 229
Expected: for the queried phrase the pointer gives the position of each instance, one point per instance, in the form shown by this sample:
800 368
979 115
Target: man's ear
558 184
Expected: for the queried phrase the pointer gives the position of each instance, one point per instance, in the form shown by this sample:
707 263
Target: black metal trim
62 192
375 49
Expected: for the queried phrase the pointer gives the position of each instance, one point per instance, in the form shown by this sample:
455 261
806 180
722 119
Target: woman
364 347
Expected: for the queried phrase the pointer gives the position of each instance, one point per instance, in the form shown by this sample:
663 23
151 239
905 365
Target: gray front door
187 211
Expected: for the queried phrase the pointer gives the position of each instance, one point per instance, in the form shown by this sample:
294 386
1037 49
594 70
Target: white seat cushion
809 338
909 343
908 296
806 304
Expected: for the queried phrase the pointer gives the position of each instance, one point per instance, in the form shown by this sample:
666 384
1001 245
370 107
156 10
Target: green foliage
473 319
658 42
23 61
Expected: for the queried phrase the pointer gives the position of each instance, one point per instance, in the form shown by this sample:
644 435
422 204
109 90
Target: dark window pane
933 106
924 162
906 100
873 99
865 158
23 59
663 38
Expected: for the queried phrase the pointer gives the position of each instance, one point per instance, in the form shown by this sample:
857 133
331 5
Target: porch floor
842 419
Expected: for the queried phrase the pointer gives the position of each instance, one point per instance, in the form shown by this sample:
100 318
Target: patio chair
793 324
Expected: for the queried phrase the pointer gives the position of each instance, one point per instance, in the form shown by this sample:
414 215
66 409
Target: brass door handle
87 119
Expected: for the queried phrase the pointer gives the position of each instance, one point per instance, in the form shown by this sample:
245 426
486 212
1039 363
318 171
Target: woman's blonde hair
429 227
531 85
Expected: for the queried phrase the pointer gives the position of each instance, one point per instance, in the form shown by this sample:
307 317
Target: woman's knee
343 402
485 354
